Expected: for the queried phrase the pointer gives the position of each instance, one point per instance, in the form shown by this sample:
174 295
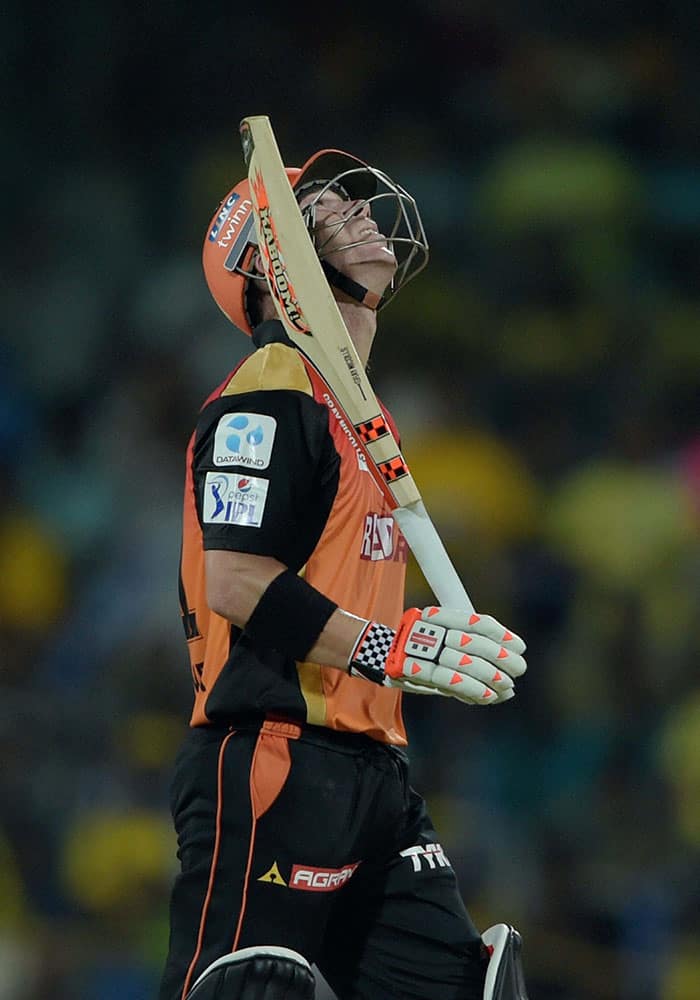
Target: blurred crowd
544 372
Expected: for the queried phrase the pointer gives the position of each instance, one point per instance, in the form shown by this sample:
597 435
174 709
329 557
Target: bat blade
312 320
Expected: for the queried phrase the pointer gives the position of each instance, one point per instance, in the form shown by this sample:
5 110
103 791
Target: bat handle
426 545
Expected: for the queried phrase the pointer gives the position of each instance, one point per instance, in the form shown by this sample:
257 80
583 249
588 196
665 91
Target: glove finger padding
474 666
448 680
473 645
474 624
403 684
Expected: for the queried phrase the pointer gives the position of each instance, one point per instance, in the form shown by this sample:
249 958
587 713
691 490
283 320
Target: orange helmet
230 241
228 252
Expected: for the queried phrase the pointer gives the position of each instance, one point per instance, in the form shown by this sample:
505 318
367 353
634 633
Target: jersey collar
270 331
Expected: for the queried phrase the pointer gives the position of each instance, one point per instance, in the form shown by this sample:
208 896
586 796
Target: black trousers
314 840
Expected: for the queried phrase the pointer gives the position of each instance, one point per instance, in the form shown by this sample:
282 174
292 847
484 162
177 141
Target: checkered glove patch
368 658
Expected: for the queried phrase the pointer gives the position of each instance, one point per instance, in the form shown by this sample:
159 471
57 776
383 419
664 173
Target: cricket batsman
300 838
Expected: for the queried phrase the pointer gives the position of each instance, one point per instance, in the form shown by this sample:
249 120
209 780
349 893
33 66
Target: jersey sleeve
263 470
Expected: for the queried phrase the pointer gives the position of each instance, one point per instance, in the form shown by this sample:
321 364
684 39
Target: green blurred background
544 371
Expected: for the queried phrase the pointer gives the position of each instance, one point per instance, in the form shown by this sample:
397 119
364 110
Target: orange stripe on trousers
269 770
212 870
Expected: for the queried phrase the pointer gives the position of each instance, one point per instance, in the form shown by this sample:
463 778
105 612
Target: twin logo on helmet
230 216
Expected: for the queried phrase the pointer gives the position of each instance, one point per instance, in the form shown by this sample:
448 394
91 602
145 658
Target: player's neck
361 324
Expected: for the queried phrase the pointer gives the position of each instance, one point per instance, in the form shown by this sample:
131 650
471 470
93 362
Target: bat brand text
352 368
278 275
362 461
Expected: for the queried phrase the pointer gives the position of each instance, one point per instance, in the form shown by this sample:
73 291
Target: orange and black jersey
273 469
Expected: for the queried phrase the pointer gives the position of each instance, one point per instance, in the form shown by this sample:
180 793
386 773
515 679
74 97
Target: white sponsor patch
426 856
244 439
230 498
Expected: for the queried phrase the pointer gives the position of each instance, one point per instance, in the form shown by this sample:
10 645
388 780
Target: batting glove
459 654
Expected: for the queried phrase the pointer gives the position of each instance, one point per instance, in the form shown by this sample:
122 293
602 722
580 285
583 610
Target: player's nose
359 208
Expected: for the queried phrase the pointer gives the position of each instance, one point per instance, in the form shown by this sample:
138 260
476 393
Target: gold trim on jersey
311 685
274 366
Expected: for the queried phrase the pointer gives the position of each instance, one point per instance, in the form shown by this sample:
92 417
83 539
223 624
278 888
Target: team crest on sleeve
230 498
244 439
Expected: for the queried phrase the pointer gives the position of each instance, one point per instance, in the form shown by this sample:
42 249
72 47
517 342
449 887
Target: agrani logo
308 879
320 879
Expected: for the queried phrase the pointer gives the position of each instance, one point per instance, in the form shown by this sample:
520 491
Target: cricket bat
312 320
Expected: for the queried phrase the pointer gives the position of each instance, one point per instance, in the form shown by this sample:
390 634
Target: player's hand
459 654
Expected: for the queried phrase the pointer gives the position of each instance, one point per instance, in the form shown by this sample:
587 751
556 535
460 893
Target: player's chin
379 256
382 251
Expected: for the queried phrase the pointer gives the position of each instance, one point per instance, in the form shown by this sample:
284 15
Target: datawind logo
244 439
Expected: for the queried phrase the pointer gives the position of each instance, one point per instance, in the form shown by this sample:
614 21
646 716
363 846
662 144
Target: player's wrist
289 616
377 655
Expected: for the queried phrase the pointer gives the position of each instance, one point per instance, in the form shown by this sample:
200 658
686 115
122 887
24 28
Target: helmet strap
351 288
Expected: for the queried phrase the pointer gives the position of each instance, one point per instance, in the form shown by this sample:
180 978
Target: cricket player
300 837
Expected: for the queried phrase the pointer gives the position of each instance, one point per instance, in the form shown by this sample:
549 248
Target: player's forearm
236 584
337 641
236 581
